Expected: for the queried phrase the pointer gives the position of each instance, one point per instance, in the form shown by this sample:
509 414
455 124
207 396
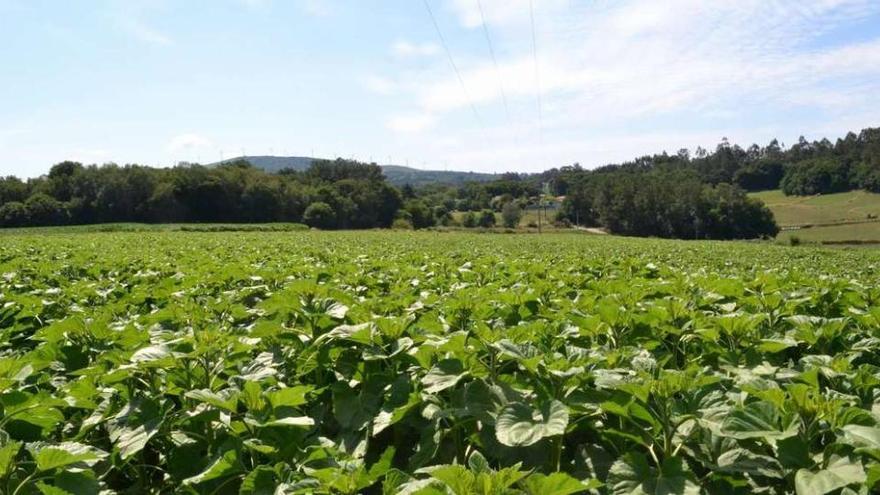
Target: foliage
378 362
231 192
320 215
486 219
815 176
511 214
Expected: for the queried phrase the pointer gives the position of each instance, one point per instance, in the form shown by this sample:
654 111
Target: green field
830 218
434 363
822 209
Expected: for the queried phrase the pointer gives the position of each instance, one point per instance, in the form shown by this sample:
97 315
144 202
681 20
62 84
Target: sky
481 85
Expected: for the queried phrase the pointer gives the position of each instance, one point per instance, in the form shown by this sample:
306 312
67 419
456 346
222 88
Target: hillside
829 218
396 174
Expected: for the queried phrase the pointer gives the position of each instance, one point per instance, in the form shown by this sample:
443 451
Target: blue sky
161 81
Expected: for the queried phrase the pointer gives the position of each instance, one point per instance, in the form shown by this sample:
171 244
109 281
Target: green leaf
151 353
862 437
226 465
289 397
443 375
130 441
73 483
260 481
557 484
840 472
52 456
299 422
8 453
744 461
478 464
519 425
229 403
759 419
632 475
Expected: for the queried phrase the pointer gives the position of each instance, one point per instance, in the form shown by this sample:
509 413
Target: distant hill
396 174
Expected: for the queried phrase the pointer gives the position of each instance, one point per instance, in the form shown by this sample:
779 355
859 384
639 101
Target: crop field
435 363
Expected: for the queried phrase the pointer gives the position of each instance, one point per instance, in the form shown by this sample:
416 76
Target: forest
684 195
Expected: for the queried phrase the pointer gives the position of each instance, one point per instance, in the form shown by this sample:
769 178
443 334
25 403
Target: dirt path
592 230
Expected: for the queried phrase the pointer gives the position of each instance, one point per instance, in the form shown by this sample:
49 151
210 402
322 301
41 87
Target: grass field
434 363
850 211
828 208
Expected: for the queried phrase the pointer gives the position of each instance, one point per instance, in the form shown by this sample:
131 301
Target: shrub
511 214
320 215
469 220
486 219
13 214
402 224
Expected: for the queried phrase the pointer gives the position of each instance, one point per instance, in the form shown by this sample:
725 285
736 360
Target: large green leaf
53 456
260 481
8 452
864 438
224 466
839 473
520 425
556 484
758 419
130 441
632 475
443 375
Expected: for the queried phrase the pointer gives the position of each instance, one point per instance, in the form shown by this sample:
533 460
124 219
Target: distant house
549 203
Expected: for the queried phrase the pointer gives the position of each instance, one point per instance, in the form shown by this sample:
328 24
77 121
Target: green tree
320 215
469 220
420 215
511 214
486 219
43 209
13 214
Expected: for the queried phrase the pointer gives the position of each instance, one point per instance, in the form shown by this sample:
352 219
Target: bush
43 209
402 224
486 219
420 215
13 214
511 214
469 220
320 215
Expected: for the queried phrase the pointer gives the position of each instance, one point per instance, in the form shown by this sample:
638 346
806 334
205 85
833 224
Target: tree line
685 195
329 195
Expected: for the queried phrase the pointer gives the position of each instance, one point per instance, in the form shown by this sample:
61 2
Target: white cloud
410 123
642 58
404 48
188 142
665 69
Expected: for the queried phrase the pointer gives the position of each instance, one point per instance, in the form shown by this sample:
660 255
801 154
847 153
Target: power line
494 60
537 73
454 67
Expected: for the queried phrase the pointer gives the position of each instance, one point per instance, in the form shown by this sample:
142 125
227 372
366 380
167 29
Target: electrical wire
494 60
454 66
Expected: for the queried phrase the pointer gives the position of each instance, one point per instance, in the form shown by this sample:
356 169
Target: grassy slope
853 206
